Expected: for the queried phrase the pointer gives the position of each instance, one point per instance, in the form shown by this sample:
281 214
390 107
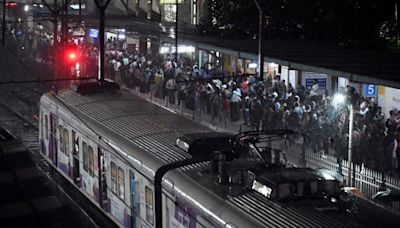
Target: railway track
27 131
18 114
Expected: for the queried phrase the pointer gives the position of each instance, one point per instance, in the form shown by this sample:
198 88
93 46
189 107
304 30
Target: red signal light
72 56
11 4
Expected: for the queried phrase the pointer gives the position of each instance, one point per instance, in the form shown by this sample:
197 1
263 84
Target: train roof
147 126
155 130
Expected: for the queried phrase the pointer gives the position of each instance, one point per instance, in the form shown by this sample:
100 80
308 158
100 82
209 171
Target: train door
53 138
133 198
44 133
103 200
75 159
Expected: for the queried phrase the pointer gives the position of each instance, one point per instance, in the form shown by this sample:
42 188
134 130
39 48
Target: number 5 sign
370 90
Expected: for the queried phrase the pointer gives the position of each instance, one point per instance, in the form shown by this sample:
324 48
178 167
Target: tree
348 23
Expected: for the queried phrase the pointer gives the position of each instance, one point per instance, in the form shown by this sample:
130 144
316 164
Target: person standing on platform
170 86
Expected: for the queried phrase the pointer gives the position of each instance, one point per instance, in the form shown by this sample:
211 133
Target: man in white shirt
314 89
170 87
117 65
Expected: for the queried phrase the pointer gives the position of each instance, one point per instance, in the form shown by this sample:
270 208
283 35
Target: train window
91 161
113 177
46 126
85 157
41 125
66 141
149 205
75 137
121 187
61 136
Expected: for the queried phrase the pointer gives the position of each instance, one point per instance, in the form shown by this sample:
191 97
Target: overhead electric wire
47 80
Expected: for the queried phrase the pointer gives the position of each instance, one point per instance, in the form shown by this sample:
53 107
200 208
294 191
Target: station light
339 99
253 65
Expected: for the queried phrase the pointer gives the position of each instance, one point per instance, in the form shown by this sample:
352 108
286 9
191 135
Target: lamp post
260 43
102 6
340 99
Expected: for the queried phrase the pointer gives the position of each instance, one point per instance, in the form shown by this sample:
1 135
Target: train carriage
110 145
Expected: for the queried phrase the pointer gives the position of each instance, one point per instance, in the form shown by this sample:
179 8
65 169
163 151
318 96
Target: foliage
348 23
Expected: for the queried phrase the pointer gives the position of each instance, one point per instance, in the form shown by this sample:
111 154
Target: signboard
93 33
370 90
321 83
170 1
396 99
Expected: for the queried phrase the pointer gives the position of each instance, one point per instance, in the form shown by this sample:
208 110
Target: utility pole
176 30
80 12
260 64
65 24
55 11
3 38
63 38
102 8
351 122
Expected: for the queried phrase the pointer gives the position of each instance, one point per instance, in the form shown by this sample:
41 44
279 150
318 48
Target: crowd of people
32 43
266 104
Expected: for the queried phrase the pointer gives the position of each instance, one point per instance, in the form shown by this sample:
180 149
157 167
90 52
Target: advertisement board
170 1
94 33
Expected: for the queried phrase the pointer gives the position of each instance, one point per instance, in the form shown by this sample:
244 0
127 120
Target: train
111 145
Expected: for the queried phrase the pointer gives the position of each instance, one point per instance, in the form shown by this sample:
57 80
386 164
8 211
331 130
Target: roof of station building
369 66
366 66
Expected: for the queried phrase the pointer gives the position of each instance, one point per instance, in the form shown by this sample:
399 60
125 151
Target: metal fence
366 180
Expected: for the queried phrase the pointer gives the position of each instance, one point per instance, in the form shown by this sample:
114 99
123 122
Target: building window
149 205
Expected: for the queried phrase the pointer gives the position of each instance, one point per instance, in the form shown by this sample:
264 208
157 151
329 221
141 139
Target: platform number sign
370 90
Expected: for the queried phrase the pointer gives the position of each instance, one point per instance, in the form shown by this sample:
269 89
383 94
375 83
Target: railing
366 180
